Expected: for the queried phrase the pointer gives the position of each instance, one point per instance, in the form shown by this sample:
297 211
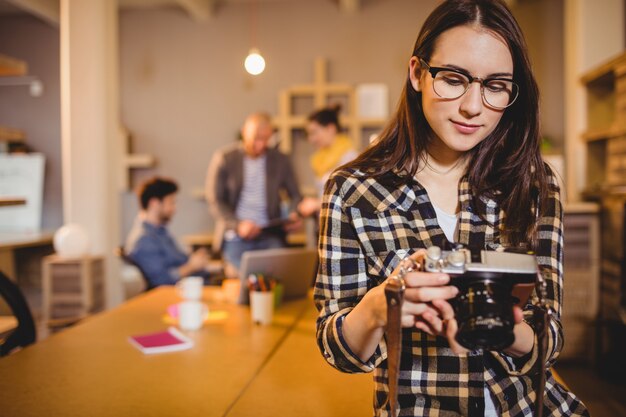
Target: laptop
293 267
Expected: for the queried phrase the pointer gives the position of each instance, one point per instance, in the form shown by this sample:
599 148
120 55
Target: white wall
184 92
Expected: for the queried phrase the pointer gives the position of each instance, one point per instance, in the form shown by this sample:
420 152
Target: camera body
490 283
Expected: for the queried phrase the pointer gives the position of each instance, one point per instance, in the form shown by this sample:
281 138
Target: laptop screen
294 268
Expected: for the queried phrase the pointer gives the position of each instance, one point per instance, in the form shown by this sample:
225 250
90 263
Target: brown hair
506 166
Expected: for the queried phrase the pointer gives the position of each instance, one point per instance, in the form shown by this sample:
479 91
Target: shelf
9 134
603 72
581 207
603 133
12 67
140 161
299 100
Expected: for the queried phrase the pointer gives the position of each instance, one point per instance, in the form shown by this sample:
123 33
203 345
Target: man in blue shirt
149 243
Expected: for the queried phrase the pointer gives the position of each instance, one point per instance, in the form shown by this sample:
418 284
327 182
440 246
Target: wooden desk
297 381
206 239
92 370
10 241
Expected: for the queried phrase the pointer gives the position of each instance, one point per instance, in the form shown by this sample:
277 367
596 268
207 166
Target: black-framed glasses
448 83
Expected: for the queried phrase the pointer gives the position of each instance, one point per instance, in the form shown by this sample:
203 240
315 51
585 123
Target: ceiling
200 10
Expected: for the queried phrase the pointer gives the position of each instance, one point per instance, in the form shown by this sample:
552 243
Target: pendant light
254 63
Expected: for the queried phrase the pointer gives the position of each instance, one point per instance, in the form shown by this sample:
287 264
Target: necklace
442 172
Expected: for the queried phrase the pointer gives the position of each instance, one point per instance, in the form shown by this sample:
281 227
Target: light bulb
254 63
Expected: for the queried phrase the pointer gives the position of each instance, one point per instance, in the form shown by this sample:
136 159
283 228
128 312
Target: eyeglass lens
497 93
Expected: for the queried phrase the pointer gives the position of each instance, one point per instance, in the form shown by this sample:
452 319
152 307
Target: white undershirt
448 223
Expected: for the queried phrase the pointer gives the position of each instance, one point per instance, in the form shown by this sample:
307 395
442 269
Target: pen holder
262 306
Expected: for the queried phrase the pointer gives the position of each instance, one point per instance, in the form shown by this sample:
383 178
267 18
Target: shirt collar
154 228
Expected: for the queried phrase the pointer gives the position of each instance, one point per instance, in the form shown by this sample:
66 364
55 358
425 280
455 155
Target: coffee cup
191 314
190 288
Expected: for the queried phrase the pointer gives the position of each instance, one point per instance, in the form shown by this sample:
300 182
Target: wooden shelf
132 160
604 133
12 67
9 134
604 71
605 137
140 161
321 94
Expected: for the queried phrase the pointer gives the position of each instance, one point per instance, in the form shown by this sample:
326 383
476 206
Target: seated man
149 243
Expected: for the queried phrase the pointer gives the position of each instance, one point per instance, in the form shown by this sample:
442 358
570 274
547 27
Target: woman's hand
524 335
425 306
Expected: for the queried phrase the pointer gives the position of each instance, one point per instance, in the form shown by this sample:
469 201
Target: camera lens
484 311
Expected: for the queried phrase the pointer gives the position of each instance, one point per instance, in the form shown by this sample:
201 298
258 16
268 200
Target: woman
333 150
459 163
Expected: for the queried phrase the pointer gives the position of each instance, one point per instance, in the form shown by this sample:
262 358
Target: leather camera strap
541 318
394 293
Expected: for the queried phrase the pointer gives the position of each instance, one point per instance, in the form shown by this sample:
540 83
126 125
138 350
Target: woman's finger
434 321
417 309
421 325
427 294
451 328
426 279
518 314
444 308
407 320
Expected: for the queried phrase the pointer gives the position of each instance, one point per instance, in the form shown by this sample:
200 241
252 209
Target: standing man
149 244
245 187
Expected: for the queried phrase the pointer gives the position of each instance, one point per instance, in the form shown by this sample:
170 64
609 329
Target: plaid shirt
367 228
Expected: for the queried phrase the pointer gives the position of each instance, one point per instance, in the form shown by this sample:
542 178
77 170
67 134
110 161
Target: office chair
124 257
25 333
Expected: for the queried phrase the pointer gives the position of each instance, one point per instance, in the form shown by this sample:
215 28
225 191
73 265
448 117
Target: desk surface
234 368
15 240
206 239
297 381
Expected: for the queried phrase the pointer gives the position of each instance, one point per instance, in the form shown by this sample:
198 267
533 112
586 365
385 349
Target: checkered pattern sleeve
549 253
341 281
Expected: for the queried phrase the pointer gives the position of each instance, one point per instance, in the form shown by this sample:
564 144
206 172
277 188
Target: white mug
190 288
191 314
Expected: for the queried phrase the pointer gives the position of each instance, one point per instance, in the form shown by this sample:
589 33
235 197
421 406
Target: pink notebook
170 340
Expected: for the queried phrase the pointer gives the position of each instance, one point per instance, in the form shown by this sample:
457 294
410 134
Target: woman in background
333 150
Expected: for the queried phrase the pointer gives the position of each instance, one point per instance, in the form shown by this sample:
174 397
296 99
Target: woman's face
321 136
462 123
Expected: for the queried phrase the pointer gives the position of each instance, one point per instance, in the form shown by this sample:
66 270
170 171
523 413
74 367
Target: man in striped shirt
248 187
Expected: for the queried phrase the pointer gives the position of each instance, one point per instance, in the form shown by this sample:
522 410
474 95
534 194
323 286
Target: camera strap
394 295
541 318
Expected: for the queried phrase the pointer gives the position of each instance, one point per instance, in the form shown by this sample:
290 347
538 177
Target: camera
490 283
